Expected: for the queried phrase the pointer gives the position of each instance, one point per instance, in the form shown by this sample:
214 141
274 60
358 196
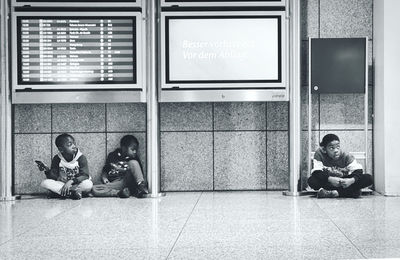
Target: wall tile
27 149
113 140
304 109
126 117
309 18
32 118
277 115
346 18
186 161
354 141
185 116
342 111
78 118
239 116
93 146
277 160
240 161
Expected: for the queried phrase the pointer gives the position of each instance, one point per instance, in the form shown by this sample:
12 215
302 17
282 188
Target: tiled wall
208 146
224 146
97 129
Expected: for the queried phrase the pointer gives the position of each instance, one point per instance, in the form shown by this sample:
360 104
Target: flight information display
70 50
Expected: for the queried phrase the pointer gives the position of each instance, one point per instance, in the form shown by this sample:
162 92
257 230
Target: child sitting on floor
336 173
122 174
69 172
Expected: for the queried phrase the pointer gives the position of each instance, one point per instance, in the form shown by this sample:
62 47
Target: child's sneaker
124 193
142 190
76 195
322 193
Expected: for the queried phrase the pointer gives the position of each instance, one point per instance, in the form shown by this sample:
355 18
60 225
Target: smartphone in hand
42 166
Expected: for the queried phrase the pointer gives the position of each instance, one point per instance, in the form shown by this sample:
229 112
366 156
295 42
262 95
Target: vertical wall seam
319 95
266 145
213 145
51 131
319 18
106 130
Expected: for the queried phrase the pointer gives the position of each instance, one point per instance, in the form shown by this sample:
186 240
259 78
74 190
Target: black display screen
338 65
76 50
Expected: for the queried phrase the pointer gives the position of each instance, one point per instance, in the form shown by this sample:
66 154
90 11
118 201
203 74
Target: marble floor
201 225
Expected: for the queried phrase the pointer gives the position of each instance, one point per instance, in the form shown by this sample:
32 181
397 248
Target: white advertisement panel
224 49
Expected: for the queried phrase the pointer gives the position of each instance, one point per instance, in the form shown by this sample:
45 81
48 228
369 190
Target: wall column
295 98
5 111
153 133
387 93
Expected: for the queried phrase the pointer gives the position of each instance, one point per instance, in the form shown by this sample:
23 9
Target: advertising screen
76 51
238 50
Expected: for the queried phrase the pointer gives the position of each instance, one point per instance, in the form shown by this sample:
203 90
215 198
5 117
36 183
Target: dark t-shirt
116 157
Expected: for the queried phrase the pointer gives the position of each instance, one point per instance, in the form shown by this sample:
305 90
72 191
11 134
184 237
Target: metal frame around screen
236 91
77 3
205 3
81 92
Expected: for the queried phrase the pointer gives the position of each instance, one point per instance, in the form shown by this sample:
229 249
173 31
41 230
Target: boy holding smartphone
69 172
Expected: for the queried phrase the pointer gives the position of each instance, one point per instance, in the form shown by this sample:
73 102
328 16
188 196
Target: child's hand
105 180
345 183
326 169
335 181
336 172
65 188
42 166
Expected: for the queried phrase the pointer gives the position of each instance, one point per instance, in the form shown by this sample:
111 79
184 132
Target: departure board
67 50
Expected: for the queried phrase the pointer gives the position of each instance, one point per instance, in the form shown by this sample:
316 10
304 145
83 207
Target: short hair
61 139
328 138
128 140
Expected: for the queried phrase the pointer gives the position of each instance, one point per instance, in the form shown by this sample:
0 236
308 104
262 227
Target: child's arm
317 166
334 171
111 158
53 172
83 171
353 166
104 172
42 167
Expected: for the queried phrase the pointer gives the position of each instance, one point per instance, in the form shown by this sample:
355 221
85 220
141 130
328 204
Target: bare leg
135 180
136 171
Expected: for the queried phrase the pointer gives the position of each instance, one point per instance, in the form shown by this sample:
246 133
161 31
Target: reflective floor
201 225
